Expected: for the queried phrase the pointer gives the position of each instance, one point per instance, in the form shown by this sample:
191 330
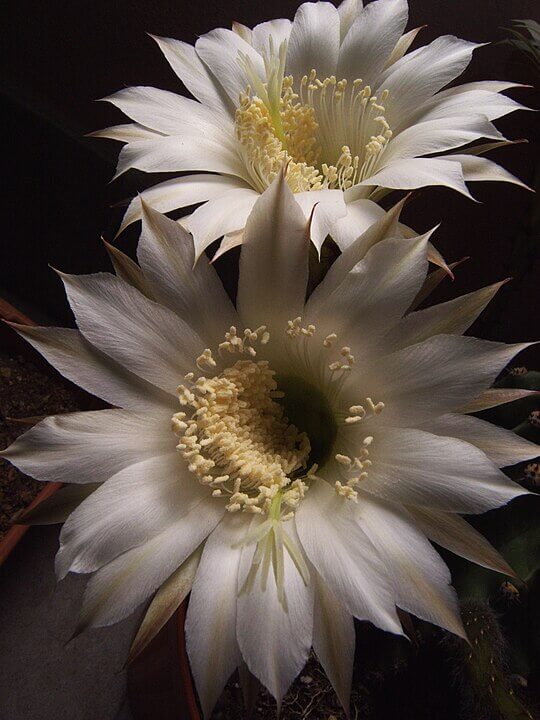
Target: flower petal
89 447
314 41
345 558
420 579
494 397
273 260
455 534
333 639
457 101
212 612
361 214
118 588
279 30
176 154
220 216
323 208
79 361
166 254
194 74
386 227
433 136
165 602
415 78
130 508
476 169
147 338
179 193
402 45
221 51
274 637
375 293
449 318
371 39
415 173
414 467
127 133
436 376
502 446
348 10
170 113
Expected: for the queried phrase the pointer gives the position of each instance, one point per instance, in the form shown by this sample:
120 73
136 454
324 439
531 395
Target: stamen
328 133
235 437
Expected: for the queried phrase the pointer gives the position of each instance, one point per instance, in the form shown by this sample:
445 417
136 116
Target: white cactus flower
286 460
334 95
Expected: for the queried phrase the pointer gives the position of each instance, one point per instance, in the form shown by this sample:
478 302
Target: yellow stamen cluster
235 436
265 154
329 134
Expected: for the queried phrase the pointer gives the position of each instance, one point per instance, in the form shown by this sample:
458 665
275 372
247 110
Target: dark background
60 56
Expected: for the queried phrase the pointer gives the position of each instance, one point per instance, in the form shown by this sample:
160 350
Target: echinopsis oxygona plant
287 459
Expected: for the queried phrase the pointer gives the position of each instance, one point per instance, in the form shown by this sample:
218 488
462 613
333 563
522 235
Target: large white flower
331 94
286 460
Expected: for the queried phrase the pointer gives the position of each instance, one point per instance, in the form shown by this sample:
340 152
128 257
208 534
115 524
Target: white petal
220 216
127 133
273 260
211 615
455 534
371 39
386 227
323 208
456 101
82 363
118 588
435 376
414 173
274 637
89 447
180 192
221 51
348 10
477 169
494 397
502 446
194 74
401 47
175 154
449 318
420 579
166 254
344 557
147 338
314 41
375 293
130 508
361 214
420 74
279 30
439 135
170 113
333 639
417 468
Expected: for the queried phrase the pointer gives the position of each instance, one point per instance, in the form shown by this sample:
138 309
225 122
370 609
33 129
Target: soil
26 392
311 697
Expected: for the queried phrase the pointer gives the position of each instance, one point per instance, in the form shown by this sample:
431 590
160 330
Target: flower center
236 438
330 133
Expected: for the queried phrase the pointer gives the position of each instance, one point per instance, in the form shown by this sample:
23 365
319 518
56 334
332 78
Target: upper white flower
316 446
333 95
